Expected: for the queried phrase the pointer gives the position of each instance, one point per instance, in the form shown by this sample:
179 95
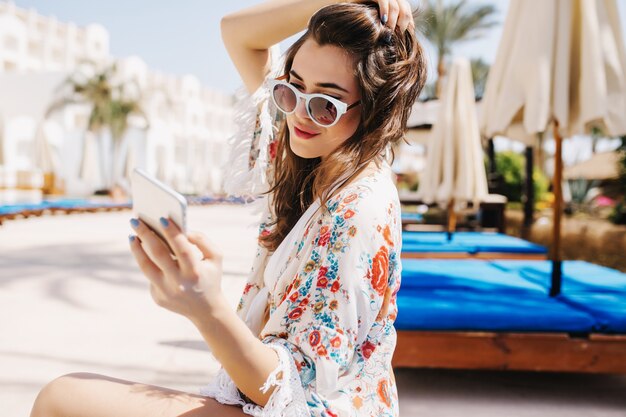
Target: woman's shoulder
370 197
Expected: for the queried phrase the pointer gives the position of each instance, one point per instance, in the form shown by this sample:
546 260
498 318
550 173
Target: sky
183 37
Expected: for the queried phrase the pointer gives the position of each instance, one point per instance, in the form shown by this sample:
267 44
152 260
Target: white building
188 124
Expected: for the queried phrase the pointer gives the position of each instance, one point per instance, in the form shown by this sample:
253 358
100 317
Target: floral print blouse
325 301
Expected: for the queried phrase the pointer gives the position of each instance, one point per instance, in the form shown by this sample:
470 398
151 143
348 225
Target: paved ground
71 299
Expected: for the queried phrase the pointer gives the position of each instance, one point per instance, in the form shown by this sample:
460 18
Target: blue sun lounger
475 314
472 245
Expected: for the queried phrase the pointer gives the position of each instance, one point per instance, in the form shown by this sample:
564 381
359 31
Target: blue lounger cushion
609 310
470 242
579 277
460 310
412 216
466 275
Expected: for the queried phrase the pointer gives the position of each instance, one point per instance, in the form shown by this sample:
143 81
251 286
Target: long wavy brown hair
390 69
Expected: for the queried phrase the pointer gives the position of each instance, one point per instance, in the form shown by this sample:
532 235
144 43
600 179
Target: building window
57 55
34 49
10 43
9 66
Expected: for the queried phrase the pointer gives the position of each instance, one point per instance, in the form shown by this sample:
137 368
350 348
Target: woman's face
328 70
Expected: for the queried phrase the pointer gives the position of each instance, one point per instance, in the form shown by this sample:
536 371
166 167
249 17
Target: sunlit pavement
72 299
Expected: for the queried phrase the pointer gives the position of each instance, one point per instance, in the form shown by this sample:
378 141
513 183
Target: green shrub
511 166
618 216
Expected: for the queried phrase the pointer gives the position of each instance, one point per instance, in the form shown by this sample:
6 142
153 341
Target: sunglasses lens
323 111
285 98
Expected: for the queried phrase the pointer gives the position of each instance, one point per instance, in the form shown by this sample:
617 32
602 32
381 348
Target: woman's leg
91 395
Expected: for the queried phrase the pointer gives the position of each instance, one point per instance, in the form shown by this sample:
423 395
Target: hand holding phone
152 199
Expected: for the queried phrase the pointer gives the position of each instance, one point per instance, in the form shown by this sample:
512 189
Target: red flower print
324 239
304 302
380 270
322 282
348 214
293 297
335 286
330 413
335 342
247 288
321 350
350 198
322 272
387 236
383 392
295 313
314 338
368 348
272 150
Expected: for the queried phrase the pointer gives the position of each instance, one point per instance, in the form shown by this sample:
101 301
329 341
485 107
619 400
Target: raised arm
248 34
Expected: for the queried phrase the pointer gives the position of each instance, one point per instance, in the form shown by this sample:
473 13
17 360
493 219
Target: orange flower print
333 305
352 231
387 235
323 230
383 392
368 348
348 214
335 342
321 350
314 338
380 270
350 198
293 297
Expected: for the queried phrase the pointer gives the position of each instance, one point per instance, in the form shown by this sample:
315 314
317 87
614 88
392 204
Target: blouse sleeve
335 308
247 172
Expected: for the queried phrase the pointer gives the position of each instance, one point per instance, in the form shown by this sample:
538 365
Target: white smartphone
152 199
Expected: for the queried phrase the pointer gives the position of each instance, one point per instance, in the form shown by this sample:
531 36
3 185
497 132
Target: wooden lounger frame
552 352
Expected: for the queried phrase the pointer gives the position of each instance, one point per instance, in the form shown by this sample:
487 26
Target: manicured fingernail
131 238
384 19
134 223
164 222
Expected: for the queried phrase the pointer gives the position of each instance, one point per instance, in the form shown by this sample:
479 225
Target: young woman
313 333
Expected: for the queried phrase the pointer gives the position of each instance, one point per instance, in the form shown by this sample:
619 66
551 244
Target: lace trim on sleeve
223 389
287 400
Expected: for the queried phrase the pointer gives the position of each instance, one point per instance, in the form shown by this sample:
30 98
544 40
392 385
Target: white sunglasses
323 109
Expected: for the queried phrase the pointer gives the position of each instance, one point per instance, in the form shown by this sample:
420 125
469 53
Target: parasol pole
451 219
555 288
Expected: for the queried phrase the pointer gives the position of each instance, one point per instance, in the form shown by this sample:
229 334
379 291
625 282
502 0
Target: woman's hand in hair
396 13
188 283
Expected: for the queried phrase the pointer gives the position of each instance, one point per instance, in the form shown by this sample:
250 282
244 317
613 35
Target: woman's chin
302 150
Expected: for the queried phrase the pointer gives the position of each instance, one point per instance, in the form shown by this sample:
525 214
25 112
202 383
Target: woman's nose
301 108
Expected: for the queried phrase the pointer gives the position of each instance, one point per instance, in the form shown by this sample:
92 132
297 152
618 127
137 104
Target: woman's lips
303 134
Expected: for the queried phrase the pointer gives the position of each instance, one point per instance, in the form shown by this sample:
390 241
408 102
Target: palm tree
480 71
447 24
110 113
